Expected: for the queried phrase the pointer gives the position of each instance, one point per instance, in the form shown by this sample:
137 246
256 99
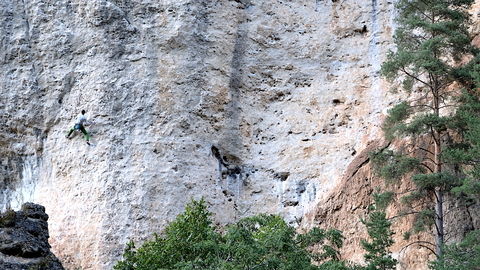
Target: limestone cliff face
256 105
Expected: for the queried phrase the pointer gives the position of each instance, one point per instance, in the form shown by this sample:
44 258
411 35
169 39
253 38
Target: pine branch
420 11
420 243
402 215
429 160
426 166
405 192
428 248
414 77
426 150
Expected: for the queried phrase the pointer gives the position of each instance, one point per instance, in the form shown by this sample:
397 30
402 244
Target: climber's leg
70 132
85 133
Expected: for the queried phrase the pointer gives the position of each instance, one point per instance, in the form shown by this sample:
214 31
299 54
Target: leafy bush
259 242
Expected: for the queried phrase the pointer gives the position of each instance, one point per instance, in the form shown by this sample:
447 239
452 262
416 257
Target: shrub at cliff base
259 242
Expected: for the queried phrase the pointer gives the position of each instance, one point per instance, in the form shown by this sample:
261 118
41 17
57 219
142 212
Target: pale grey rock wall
287 91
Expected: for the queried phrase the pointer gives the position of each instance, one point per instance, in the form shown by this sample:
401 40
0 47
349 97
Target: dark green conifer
431 39
378 255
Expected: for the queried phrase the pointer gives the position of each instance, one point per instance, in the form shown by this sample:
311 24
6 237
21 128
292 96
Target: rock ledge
24 240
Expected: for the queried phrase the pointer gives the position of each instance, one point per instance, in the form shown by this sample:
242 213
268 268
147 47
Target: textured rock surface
259 106
24 240
349 202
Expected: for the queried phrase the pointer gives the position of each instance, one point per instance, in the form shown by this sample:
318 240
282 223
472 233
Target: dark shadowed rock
24 240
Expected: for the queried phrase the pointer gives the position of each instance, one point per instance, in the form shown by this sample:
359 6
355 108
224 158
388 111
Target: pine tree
431 39
378 254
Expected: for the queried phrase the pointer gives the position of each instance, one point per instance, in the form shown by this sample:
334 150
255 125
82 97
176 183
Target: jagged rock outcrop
24 240
286 92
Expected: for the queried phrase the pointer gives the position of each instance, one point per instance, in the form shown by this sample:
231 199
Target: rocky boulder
24 240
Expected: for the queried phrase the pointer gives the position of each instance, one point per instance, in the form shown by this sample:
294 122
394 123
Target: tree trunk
439 233
438 221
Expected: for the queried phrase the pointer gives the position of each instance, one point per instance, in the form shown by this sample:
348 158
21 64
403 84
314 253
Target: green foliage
396 117
425 123
423 220
320 237
129 258
190 236
378 254
259 242
431 180
460 256
466 154
190 241
430 34
397 126
382 200
270 243
267 242
407 235
394 165
414 197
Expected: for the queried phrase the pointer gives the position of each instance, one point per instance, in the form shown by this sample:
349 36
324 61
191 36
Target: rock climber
81 122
